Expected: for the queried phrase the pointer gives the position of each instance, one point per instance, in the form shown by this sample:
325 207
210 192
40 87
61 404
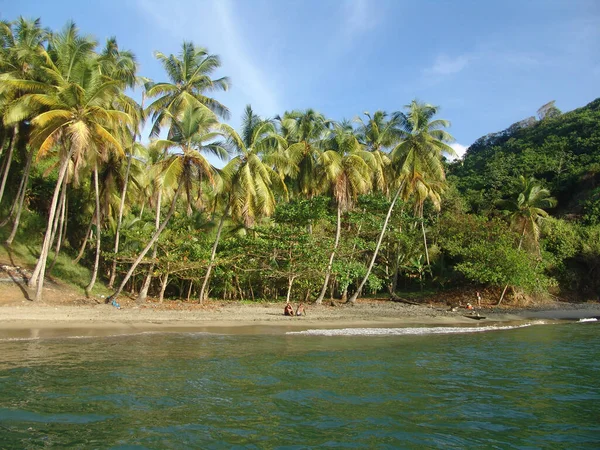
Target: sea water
534 386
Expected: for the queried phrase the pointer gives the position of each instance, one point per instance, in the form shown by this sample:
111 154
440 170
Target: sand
64 312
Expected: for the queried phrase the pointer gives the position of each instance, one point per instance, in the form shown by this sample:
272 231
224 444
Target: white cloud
459 149
445 65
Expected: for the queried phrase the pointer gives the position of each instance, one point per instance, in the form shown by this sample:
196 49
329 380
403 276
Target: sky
486 64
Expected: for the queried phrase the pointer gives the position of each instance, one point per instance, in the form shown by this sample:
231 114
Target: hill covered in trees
560 150
305 207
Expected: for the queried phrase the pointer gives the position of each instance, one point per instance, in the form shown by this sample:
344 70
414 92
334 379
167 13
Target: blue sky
486 64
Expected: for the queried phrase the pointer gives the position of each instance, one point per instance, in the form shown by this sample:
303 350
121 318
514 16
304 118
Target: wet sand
30 320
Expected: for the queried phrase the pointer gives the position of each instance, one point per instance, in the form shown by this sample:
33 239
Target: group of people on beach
289 310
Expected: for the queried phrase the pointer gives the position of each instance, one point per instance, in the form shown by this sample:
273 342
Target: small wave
588 319
406 331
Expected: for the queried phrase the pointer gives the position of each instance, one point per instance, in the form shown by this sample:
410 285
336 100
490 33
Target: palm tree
379 134
417 159
425 142
304 131
190 136
189 74
346 174
248 180
22 44
527 212
73 112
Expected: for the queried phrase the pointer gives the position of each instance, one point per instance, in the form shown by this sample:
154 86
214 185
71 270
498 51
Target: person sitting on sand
300 311
288 310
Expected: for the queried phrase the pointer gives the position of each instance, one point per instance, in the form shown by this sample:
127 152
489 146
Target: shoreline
32 321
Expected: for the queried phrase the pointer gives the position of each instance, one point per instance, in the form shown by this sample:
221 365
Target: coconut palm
189 74
345 173
527 212
424 143
304 131
248 179
21 44
74 115
191 135
417 160
379 134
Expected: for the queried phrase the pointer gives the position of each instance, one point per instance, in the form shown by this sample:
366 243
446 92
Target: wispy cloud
223 35
446 65
252 81
359 16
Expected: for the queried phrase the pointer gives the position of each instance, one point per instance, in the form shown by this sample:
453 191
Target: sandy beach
64 313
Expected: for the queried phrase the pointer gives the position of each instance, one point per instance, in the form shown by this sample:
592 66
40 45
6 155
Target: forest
302 206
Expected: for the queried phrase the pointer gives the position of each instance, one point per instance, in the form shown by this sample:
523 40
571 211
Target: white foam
588 319
407 331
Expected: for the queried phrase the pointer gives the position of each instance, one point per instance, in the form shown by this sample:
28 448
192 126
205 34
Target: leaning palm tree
417 160
421 154
190 80
74 114
527 212
249 181
191 135
344 171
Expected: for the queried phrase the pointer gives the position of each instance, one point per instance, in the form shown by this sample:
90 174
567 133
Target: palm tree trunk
213 253
113 269
338 230
85 239
143 294
21 199
60 224
154 238
37 277
89 287
15 203
425 240
9 160
379 241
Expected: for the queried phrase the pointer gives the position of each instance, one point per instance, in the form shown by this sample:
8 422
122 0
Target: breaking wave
407 330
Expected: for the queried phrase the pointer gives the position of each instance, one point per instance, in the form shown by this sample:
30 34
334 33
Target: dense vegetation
304 206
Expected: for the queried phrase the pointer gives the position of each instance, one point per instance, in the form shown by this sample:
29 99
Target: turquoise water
531 387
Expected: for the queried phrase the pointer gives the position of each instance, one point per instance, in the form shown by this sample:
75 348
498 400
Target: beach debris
115 304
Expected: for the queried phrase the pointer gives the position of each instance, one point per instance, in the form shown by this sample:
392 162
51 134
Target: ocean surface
535 386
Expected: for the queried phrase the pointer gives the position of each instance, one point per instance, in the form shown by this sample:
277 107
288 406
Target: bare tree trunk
21 199
13 140
519 248
113 269
338 230
143 294
163 285
89 287
213 253
37 277
154 238
379 241
289 290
